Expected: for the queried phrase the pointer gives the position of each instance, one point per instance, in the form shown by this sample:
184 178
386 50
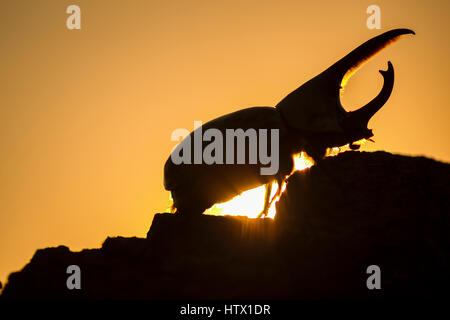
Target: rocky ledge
334 220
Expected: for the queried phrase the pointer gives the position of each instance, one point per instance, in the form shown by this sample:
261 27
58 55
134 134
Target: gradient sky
86 115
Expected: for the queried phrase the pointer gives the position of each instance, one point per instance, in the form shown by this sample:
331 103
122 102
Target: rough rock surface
334 220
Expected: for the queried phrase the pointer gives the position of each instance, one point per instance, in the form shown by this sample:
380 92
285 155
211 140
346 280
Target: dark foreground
333 221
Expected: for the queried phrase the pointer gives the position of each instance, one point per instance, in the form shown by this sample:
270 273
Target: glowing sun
251 202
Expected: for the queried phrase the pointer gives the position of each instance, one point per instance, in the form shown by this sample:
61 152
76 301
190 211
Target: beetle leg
267 201
277 195
354 146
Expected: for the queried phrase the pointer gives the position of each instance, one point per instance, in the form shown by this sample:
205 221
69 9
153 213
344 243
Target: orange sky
86 115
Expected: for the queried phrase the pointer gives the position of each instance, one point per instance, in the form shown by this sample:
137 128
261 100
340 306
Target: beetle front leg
354 146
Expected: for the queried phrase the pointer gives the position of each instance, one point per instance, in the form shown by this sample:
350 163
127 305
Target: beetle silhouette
309 119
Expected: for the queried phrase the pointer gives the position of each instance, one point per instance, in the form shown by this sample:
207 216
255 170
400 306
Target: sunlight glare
251 202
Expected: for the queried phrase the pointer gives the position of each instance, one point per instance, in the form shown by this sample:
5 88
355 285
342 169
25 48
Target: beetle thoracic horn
347 66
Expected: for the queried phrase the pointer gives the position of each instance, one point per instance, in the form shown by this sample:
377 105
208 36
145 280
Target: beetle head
315 108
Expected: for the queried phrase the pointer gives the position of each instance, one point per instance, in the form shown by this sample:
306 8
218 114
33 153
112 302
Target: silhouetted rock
334 220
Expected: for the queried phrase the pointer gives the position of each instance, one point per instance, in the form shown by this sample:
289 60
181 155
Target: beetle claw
262 214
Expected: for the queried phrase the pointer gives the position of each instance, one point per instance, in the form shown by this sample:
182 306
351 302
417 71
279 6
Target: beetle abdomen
196 187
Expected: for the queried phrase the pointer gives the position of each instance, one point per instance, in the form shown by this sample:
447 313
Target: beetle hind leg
267 201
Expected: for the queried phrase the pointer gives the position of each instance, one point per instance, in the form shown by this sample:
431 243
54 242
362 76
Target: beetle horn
315 106
362 116
347 66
